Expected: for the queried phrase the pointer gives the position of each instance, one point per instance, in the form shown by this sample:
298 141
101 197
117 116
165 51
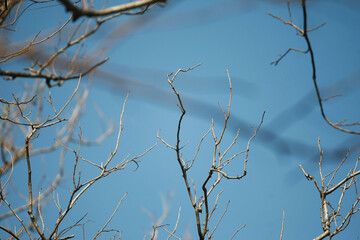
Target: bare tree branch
217 167
304 33
77 12
330 218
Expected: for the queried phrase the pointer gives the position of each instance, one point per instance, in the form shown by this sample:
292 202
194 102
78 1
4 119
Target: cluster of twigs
56 68
203 209
18 113
27 114
333 218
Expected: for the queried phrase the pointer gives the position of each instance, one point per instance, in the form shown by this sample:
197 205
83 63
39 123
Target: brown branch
5 9
9 232
217 162
2 197
282 225
110 218
218 222
330 218
79 12
304 33
172 234
105 170
32 43
237 230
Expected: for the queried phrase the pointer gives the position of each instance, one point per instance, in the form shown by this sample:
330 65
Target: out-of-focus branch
64 136
45 66
49 77
32 43
33 128
5 7
78 12
158 222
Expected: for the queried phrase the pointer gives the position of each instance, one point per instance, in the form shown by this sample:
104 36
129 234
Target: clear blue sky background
237 35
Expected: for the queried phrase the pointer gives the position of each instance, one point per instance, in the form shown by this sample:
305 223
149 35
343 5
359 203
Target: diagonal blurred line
270 139
267 136
307 103
208 84
164 20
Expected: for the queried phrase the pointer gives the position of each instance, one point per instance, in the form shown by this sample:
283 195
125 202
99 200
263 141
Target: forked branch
219 161
304 33
334 220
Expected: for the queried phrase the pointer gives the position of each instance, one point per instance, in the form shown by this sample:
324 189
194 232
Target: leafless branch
5 8
304 33
78 12
172 234
330 219
218 162
110 218
25 49
282 226
237 230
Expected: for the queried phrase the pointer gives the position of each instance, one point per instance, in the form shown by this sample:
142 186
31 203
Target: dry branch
219 162
303 32
122 8
334 221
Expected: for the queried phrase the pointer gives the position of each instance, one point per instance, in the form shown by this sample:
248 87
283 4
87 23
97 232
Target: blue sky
221 35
